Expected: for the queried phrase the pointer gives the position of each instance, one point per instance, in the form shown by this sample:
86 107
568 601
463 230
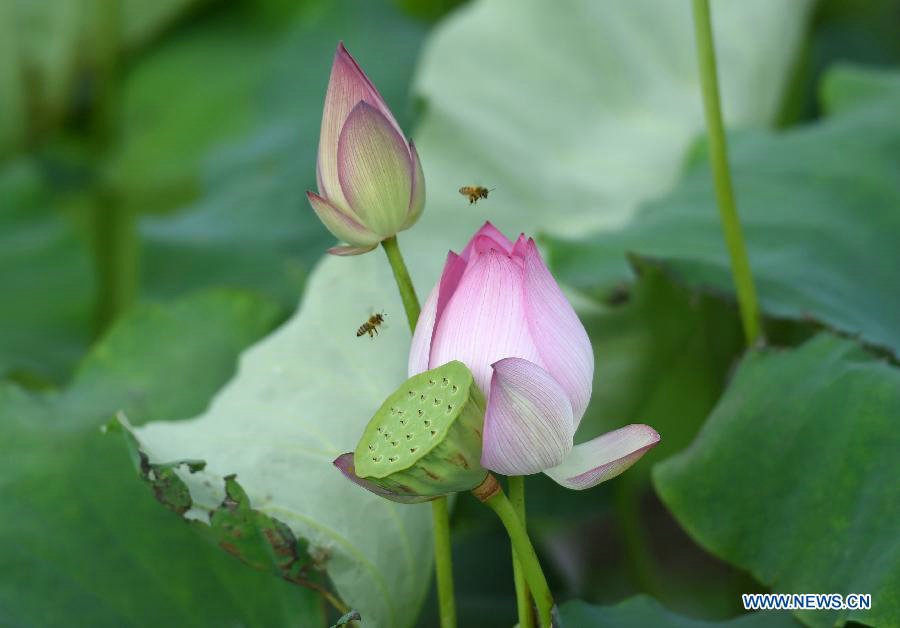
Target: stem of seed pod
443 562
718 158
490 493
523 595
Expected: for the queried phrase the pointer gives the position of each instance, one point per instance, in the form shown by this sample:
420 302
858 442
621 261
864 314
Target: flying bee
475 192
371 325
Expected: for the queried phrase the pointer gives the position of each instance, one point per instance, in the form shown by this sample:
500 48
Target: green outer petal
417 202
342 226
375 170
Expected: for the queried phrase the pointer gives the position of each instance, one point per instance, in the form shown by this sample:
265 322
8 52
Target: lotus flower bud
370 181
425 439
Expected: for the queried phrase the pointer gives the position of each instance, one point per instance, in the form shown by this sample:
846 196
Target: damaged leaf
255 538
347 618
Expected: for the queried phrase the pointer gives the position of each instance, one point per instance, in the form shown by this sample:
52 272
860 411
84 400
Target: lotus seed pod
426 437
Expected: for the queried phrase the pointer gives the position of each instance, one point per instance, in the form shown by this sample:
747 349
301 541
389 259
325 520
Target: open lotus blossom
370 180
498 310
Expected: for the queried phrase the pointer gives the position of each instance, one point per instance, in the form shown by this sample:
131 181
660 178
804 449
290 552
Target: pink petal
342 226
375 170
417 196
560 337
529 425
420 347
434 307
605 457
454 269
489 230
519 248
484 243
484 320
347 86
344 462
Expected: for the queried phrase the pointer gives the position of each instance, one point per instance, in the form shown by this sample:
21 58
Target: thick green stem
115 243
718 157
523 596
490 493
634 535
114 226
404 283
443 563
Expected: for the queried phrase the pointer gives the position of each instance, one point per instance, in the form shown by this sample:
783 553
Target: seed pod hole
437 402
444 381
392 459
409 437
413 450
427 422
449 408
394 443
421 412
433 433
431 382
454 388
422 397
410 393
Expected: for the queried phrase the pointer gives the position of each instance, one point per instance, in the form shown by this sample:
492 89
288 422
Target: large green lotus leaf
83 543
641 611
848 86
820 207
794 476
661 358
573 130
45 279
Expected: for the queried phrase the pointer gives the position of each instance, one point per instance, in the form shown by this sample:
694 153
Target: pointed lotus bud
425 440
371 184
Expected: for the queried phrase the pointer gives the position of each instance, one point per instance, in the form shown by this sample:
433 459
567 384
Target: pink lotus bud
370 180
498 310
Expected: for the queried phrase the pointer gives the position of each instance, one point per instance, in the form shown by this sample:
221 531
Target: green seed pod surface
426 437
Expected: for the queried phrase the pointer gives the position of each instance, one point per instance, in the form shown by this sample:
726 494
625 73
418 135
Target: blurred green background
153 160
